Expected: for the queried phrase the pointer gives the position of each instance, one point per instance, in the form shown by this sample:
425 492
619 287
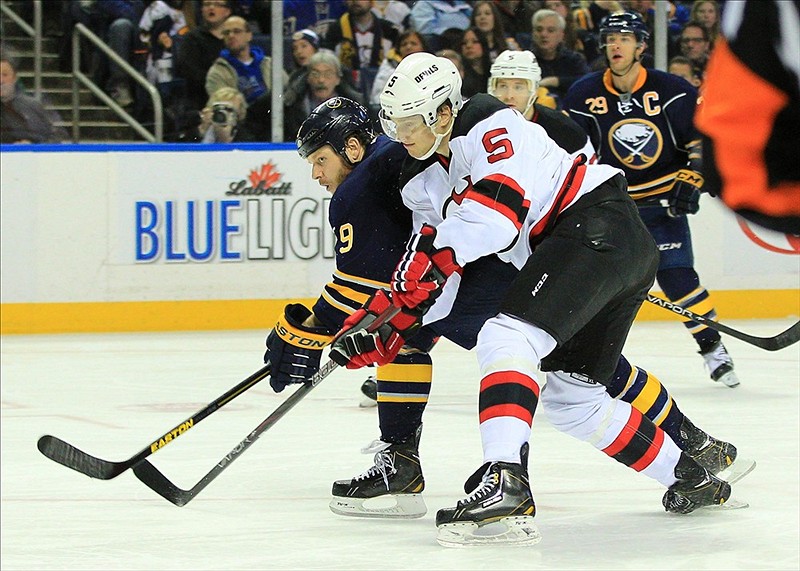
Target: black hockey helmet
332 123
624 23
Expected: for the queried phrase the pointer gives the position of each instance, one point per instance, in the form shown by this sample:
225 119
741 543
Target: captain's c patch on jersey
637 143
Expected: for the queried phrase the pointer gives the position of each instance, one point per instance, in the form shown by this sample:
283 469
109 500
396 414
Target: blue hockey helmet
624 23
333 123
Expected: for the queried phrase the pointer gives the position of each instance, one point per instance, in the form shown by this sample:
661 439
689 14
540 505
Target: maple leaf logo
267 175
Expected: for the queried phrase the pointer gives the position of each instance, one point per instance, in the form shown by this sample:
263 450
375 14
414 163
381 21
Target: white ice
111 394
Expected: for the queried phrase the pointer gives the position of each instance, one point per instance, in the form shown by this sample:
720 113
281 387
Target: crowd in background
211 62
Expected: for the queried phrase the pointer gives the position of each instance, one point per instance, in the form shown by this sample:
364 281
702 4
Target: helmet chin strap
531 101
438 140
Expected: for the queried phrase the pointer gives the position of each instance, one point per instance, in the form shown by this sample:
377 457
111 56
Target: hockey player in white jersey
586 262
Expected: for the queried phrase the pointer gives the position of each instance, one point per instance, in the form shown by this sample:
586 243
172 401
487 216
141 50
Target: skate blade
729 379
392 506
516 531
730 504
740 468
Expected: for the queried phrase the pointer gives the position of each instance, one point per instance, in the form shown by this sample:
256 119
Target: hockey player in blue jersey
641 121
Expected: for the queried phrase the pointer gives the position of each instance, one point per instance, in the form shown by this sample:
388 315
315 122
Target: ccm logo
539 285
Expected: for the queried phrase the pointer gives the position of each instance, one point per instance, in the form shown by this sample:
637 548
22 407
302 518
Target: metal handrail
36 33
78 76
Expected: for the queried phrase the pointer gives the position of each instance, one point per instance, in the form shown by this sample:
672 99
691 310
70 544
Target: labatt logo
261 181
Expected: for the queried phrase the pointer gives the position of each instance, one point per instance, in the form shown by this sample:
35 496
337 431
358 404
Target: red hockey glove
355 347
685 196
419 277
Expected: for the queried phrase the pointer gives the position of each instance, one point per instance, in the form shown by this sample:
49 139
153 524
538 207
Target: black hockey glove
293 349
685 195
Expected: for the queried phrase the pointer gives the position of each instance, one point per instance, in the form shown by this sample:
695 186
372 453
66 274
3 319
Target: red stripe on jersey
496 206
566 194
510 377
509 409
648 457
626 435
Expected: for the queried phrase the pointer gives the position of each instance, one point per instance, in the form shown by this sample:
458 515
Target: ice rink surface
111 394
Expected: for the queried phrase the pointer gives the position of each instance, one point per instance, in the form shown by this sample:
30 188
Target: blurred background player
758 175
641 121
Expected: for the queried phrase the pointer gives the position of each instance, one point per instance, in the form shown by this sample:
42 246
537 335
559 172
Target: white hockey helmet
513 64
420 84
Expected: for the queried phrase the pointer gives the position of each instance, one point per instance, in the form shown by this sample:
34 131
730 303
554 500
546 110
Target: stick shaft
156 481
784 339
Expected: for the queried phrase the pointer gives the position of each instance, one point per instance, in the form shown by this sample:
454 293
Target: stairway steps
98 123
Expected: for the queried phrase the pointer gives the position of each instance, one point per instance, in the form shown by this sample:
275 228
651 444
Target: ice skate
720 365
499 511
697 488
718 457
369 391
391 488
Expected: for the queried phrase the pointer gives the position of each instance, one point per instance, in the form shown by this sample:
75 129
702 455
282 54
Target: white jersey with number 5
504 182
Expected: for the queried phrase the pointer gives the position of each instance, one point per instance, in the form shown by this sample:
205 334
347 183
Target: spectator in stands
395 11
223 119
450 39
324 80
409 42
696 46
432 17
477 66
23 119
515 16
240 64
245 67
486 18
589 15
682 67
561 67
361 40
200 48
305 44
118 23
316 15
707 13
575 38
161 21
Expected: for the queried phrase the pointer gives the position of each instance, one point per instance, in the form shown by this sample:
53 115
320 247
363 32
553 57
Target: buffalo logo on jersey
637 143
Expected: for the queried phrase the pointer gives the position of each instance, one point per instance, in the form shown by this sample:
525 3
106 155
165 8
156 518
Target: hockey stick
71 457
156 481
788 337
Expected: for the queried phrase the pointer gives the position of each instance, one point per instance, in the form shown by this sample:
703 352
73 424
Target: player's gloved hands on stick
355 347
685 196
293 349
420 276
